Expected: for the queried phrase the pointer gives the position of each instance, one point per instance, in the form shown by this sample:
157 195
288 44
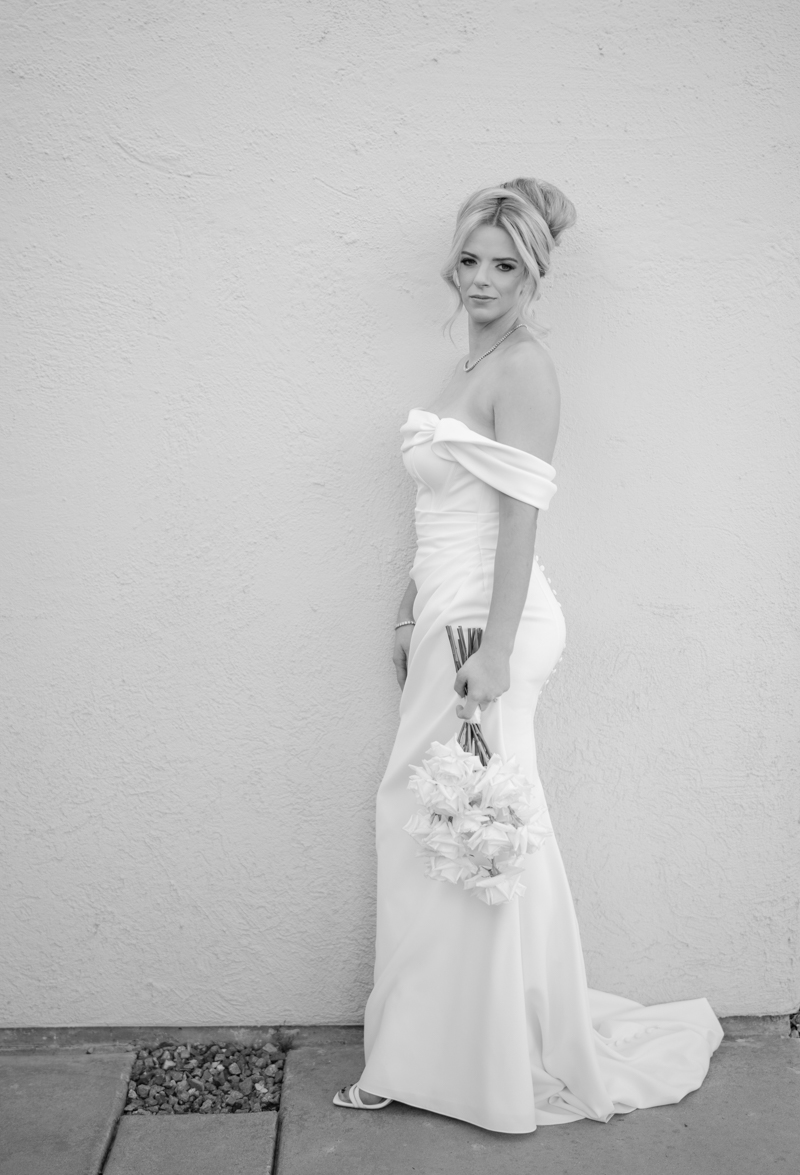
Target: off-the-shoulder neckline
483 437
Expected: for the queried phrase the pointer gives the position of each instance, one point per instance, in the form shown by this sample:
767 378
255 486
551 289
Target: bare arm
402 636
526 415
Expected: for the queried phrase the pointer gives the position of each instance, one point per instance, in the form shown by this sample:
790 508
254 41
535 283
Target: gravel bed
207 1078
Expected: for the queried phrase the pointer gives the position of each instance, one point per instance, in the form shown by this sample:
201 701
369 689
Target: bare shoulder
526 371
527 400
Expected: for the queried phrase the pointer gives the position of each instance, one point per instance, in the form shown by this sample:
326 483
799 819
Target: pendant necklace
497 344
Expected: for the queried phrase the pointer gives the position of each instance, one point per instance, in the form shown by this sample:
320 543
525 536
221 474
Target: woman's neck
483 335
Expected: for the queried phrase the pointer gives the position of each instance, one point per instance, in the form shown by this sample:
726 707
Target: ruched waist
445 537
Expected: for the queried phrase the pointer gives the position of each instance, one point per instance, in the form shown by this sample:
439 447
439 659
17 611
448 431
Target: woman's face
490 274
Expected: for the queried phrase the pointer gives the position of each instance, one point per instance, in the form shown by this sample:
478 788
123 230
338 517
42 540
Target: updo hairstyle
533 213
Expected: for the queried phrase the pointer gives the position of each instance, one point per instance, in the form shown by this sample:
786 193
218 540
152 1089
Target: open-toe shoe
353 1100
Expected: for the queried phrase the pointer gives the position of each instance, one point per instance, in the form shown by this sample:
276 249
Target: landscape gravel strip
208 1078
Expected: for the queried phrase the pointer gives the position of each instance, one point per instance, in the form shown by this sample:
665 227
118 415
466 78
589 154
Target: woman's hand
402 636
402 640
481 680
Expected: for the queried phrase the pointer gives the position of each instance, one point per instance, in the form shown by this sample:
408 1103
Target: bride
482 1012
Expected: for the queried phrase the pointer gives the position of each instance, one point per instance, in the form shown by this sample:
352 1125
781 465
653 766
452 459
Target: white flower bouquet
478 816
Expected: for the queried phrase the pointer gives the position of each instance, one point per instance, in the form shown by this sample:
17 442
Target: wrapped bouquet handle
470 737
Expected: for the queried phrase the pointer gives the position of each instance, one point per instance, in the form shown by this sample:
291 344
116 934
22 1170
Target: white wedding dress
483 1012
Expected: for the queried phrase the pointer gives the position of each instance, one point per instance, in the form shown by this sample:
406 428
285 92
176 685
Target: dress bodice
457 469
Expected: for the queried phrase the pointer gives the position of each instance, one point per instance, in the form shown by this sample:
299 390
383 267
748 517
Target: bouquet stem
470 736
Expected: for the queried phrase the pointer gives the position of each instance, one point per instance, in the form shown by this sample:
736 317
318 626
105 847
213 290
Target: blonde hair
534 214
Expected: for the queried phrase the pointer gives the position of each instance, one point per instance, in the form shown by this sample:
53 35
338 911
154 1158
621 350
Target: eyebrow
466 253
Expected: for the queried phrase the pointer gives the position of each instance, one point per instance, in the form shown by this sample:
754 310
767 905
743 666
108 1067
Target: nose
482 276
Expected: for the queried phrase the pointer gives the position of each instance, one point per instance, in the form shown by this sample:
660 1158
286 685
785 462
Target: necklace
497 344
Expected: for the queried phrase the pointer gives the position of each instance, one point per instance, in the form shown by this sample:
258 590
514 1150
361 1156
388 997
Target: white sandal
356 1102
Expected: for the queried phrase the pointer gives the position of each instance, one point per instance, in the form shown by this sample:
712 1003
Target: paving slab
194 1144
58 1110
744 1120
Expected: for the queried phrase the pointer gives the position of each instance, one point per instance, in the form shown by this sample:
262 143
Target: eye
467 261
504 266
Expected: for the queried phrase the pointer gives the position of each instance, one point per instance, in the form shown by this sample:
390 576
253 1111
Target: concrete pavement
744 1120
58 1110
194 1144
60 1107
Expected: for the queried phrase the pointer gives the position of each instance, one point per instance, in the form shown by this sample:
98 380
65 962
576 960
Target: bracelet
402 623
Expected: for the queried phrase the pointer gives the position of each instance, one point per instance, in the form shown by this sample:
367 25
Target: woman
483 1012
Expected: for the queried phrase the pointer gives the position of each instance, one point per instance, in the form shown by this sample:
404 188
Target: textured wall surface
226 224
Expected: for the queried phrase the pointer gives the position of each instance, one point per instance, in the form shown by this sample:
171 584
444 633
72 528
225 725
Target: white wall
227 222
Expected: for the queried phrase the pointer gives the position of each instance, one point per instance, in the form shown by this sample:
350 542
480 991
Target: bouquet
478 816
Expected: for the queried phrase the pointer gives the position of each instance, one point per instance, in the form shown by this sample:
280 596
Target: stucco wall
222 284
